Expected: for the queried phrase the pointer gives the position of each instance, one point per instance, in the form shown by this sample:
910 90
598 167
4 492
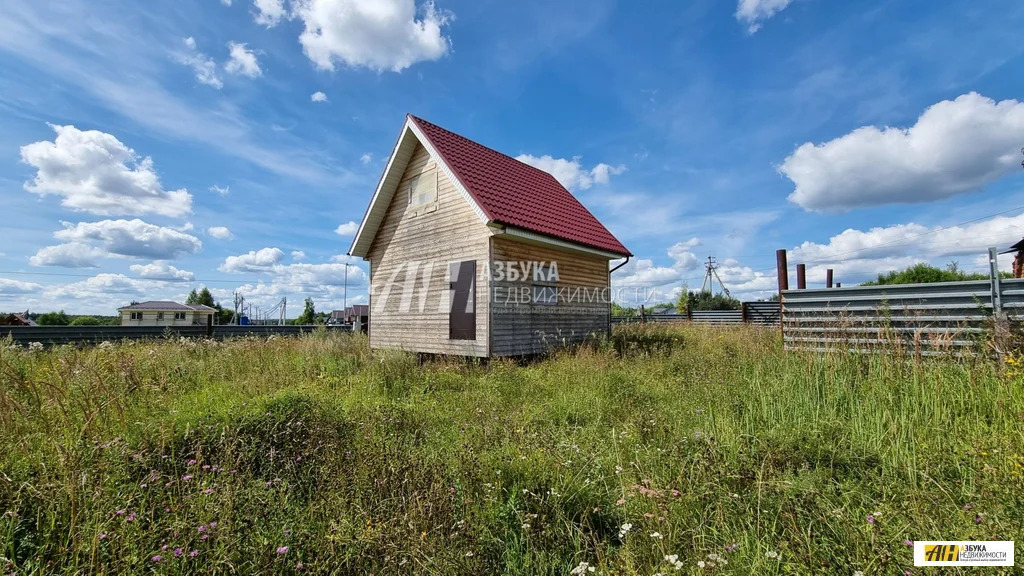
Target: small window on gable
422 191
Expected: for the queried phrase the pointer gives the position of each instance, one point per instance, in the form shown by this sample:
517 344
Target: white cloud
269 12
161 271
570 173
220 232
202 65
131 238
318 97
754 13
222 191
73 255
644 273
955 147
255 261
94 172
375 34
298 255
366 158
347 229
17 287
226 2
242 61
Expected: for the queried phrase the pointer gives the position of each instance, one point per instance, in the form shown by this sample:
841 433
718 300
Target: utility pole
710 275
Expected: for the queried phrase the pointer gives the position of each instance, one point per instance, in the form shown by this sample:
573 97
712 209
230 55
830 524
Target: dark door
462 298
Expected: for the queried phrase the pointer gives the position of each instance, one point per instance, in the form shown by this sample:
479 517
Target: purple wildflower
103 536
208 491
967 506
299 566
186 477
178 552
193 554
732 547
282 550
213 524
131 517
120 512
908 543
871 518
977 518
157 558
192 462
202 528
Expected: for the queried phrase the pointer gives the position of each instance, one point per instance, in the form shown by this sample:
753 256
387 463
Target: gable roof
501 189
167 306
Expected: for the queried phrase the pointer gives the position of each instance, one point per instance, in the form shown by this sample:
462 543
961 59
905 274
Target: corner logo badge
946 553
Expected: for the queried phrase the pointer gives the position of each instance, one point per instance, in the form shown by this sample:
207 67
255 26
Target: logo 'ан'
941 552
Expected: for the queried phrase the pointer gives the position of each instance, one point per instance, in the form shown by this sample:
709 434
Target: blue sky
150 148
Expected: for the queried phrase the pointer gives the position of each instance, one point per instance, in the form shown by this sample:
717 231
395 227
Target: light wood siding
518 329
451 233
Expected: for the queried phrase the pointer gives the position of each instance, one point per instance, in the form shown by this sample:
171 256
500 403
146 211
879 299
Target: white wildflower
771 554
858 573
581 568
700 564
618 469
624 529
656 535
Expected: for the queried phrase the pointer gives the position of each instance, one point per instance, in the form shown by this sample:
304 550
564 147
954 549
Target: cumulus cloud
255 261
242 61
318 97
366 158
347 229
17 287
269 12
94 172
571 173
954 147
298 255
376 34
204 67
133 238
220 232
161 271
643 273
73 255
754 13
222 191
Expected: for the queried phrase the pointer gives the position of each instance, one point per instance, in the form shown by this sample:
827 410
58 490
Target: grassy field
681 450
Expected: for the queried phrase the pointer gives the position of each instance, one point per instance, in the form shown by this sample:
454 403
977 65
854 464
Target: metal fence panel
925 318
717 316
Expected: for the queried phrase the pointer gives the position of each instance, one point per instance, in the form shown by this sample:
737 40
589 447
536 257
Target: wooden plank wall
519 329
451 233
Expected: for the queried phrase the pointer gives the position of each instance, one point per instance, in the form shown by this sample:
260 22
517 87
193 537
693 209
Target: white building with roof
166 313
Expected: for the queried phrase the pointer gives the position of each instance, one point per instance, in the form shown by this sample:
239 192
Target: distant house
357 313
166 313
475 253
16 319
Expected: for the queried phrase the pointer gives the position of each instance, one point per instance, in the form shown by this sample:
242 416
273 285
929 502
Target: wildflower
657 535
193 554
208 491
282 550
581 568
202 528
700 564
908 543
103 536
967 506
213 524
287 532
620 502
732 547
977 518
178 552
186 477
192 462
672 558
624 529
871 518
772 554
299 566
157 558
131 517
121 512
858 573
618 469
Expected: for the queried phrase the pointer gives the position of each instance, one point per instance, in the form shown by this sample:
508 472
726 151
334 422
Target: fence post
1000 328
801 276
828 278
743 312
783 273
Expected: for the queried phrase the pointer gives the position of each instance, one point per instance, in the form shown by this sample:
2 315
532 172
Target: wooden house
474 253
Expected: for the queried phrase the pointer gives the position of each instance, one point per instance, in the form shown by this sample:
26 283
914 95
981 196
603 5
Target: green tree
53 319
202 298
922 273
308 315
705 300
87 321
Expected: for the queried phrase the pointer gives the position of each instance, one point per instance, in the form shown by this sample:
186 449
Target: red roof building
454 229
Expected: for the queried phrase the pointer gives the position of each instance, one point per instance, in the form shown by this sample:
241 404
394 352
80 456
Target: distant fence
926 319
54 335
761 313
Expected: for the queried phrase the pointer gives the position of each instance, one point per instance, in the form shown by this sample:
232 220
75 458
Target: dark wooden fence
55 335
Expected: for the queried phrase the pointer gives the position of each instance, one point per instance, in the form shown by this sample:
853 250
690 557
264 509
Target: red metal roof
516 194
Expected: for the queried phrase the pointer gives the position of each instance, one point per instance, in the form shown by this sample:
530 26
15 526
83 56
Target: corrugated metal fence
925 319
761 313
53 335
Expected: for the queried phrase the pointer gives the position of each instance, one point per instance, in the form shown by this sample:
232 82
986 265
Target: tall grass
721 453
